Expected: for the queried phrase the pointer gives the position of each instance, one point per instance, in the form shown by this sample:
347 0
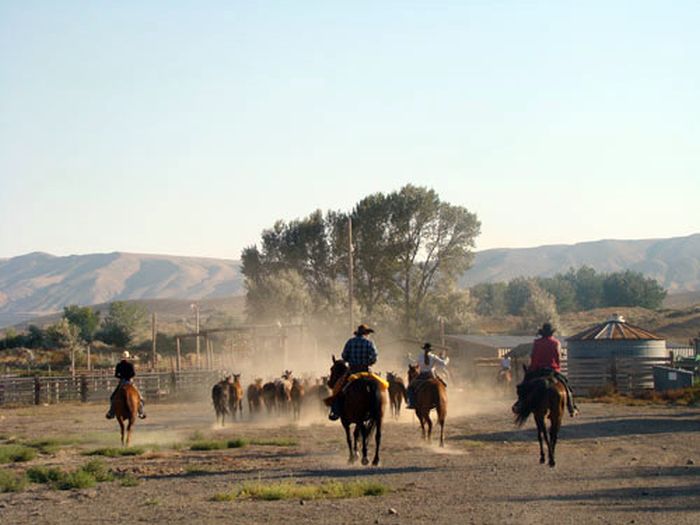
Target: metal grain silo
615 354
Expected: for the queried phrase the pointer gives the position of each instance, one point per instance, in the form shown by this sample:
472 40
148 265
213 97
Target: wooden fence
98 385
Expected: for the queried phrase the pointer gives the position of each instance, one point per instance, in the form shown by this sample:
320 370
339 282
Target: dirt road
616 464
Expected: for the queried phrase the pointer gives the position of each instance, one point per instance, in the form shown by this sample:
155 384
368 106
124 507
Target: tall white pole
351 282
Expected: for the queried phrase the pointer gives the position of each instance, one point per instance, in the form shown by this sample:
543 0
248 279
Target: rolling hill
38 284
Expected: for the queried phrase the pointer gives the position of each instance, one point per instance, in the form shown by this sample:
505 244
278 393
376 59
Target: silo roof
615 328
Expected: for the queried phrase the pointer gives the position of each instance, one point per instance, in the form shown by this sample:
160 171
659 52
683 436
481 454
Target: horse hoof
552 464
365 461
375 463
541 461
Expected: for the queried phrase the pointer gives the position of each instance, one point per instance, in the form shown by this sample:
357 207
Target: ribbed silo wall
627 365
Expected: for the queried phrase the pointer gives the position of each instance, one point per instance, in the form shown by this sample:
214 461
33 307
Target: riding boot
410 395
336 408
110 413
573 409
142 414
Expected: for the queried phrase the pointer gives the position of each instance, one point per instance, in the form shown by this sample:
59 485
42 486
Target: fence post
37 390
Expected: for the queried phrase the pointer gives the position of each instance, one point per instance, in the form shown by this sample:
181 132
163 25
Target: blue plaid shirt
359 351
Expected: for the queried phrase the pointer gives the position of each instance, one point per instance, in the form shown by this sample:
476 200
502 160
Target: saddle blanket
383 383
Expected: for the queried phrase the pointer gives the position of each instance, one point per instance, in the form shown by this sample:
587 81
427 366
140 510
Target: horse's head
338 368
390 376
412 372
287 374
258 381
236 378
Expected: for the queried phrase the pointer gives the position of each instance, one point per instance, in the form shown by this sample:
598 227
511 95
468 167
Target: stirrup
333 416
142 416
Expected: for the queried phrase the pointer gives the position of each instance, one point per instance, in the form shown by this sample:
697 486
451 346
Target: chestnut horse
430 394
254 395
542 397
397 393
363 405
126 408
235 397
220 394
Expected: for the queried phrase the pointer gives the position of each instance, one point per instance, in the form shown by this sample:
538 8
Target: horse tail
535 397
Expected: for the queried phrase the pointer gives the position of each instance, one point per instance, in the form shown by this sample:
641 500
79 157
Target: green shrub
98 469
129 480
79 479
41 474
113 452
208 445
11 481
291 490
16 453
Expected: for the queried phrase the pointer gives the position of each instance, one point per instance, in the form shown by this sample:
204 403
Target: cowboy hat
427 347
363 329
546 330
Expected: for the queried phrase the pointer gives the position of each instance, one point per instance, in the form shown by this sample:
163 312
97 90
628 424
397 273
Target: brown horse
269 395
363 404
283 396
220 399
126 407
397 393
542 397
316 393
235 396
297 395
430 394
254 395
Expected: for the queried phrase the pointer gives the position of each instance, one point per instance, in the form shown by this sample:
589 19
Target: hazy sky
188 127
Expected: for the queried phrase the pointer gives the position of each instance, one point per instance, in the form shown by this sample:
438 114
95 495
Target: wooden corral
97 386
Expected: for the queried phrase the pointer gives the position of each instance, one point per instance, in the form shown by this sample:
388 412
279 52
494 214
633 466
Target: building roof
615 328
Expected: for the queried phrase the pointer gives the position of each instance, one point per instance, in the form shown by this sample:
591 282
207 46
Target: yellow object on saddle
383 383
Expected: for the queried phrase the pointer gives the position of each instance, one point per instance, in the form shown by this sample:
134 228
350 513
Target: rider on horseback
545 361
359 353
125 371
427 365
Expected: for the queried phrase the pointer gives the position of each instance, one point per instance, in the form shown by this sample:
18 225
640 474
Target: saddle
383 383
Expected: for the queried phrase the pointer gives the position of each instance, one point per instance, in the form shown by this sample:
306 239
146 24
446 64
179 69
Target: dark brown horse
254 395
430 394
542 397
235 397
397 393
126 407
363 405
220 399
297 396
269 395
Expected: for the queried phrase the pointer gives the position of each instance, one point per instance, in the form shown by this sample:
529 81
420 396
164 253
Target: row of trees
576 290
408 248
81 325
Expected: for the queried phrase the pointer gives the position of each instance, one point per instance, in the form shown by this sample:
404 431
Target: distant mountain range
674 262
37 284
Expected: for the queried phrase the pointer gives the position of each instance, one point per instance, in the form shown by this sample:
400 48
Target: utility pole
350 275
195 306
154 333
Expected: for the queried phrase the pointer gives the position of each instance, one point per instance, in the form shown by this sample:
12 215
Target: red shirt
545 354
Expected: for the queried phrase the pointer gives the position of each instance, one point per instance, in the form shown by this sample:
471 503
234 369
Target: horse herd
282 396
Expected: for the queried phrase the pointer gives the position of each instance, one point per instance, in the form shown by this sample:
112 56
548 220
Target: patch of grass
129 480
197 435
78 479
50 445
291 490
275 442
152 502
236 443
11 481
113 452
209 444
98 469
42 474
16 453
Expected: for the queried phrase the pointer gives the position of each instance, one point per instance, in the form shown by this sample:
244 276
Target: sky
187 128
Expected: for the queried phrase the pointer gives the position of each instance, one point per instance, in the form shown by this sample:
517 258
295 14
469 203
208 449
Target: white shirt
433 362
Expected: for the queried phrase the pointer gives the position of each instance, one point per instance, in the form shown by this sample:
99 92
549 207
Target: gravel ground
615 464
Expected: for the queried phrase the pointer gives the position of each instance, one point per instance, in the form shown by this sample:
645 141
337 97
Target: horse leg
128 431
554 427
541 434
430 427
377 442
121 426
364 431
352 453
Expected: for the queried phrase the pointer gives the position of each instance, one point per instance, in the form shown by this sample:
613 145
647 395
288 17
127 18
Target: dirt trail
616 464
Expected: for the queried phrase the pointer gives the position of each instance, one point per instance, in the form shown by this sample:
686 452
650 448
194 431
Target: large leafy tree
122 323
403 244
84 318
